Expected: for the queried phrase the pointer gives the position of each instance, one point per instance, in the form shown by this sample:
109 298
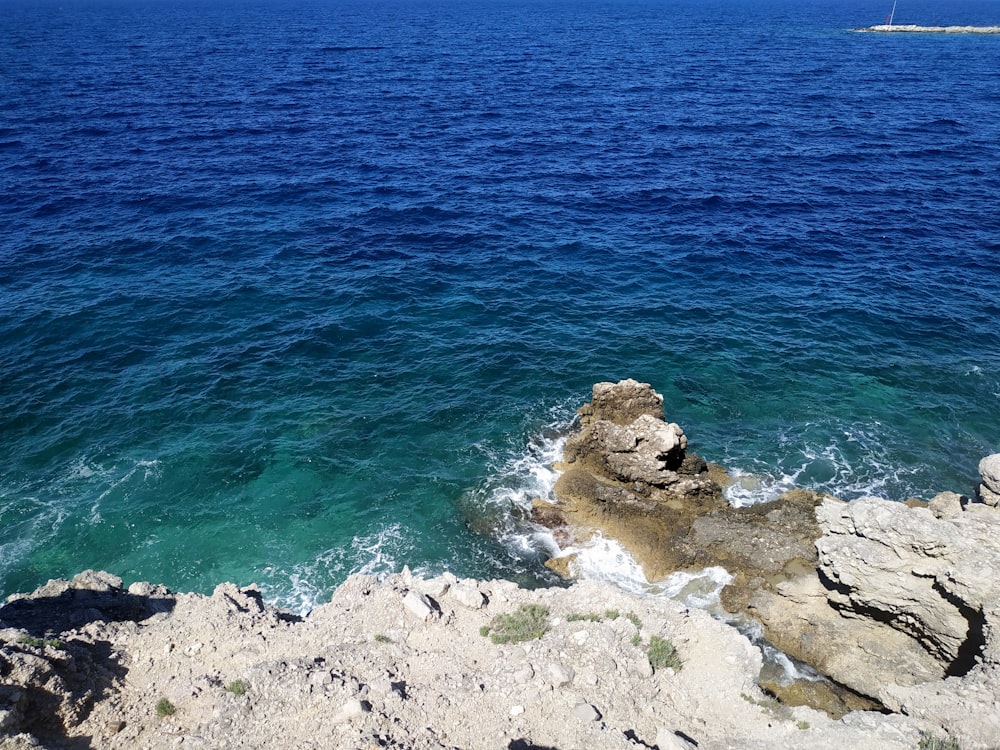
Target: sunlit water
294 290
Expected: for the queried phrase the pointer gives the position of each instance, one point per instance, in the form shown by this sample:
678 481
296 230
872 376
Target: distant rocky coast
915 29
898 604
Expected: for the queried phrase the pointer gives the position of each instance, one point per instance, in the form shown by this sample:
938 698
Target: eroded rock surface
370 670
896 601
628 474
989 487
904 597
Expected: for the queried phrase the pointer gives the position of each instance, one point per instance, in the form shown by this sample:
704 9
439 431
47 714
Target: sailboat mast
893 14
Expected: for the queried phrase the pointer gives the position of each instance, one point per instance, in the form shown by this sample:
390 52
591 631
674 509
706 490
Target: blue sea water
291 289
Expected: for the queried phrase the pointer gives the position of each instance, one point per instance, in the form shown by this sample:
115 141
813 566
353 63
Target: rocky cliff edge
401 663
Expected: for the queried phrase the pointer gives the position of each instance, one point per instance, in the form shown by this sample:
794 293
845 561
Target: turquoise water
294 290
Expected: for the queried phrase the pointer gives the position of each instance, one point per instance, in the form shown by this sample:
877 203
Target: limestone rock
989 473
627 472
903 599
418 604
560 674
922 575
467 594
328 679
93 580
799 619
622 402
946 505
586 712
667 740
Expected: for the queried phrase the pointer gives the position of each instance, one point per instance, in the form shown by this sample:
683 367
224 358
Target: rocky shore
897 605
401 663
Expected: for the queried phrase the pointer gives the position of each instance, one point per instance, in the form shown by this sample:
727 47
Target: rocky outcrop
904 598
373 669
989 487
896 601
627 473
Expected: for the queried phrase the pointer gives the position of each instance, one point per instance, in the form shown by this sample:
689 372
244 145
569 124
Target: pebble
351 710
418 604
561 675
586 712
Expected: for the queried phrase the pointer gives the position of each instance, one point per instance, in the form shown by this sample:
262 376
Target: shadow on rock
525 745
54 664
91 596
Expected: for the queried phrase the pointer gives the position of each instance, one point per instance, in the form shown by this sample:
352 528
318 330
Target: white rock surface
989 473
364 672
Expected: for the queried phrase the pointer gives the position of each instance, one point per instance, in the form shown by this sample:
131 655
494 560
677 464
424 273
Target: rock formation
898 602
403 663
627 473
989 473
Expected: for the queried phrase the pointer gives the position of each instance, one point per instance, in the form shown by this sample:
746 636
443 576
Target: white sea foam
308 585
603 559
853 461
379 554
146 469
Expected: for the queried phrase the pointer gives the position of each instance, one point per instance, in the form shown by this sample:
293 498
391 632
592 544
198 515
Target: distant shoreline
894 28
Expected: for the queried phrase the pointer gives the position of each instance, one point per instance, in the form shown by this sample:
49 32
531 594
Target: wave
307 585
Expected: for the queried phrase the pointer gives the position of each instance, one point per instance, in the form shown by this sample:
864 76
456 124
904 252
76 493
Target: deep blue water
295 289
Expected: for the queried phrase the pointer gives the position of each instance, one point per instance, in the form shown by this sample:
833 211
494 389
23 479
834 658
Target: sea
295 289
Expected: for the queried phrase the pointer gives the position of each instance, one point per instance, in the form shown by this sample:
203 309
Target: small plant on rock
578 617
165 708
30 640
933 742
380 638
662 654
238 687
633 618
530 621
769 703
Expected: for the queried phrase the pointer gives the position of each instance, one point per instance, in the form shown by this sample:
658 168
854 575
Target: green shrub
530 621
30 640
577 617
770 703
662 654
634 619
612 614
382 639
932 742
165 708
238 687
